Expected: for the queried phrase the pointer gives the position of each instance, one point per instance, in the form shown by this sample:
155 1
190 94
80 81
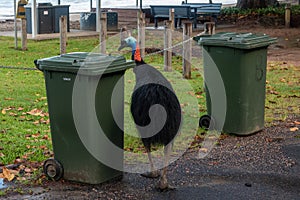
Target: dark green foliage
271 10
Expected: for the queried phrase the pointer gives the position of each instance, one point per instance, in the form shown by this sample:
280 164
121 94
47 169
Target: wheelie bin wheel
53 169
206 121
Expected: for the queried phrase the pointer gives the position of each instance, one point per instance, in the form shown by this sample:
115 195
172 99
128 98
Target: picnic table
190 11
162 12
204 9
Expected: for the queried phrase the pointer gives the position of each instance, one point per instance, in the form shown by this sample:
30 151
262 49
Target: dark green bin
241 60
72 160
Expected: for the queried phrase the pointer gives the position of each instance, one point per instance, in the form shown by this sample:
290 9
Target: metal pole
98 13
141 4
33 19
15 24
58 2
91 5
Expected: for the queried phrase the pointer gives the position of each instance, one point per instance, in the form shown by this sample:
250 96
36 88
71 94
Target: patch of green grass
2 192
24 127
282 93
39 49
23 133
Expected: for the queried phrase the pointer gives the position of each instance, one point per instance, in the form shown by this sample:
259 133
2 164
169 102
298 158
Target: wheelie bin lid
88 63
237 40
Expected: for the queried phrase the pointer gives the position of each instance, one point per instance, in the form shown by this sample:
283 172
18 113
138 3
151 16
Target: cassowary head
136 53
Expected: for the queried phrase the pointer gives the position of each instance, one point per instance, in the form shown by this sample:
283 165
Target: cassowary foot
153 174
164 186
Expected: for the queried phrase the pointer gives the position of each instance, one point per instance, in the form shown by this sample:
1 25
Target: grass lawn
25 129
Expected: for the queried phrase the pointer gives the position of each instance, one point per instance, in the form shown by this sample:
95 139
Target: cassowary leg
163 182
153 173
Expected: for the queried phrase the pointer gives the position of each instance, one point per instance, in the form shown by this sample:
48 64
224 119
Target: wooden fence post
287 15
167 46
103 33
209 28
172 18
63 34
141 32
24 35
187 49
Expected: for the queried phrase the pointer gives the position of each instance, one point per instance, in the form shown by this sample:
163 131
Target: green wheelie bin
85 94
235 80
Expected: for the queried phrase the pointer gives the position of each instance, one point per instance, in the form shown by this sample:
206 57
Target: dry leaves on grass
21 170
296 123
293 129
7 174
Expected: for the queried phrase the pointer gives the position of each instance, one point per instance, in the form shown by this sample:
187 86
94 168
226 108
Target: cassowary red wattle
155 109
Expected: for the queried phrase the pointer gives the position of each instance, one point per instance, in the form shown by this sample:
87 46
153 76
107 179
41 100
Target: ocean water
6 6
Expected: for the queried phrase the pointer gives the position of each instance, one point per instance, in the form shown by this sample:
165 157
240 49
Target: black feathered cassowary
156 126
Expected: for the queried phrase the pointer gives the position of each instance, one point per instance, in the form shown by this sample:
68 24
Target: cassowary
155 109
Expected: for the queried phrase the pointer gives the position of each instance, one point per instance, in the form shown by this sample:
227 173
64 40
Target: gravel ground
261 166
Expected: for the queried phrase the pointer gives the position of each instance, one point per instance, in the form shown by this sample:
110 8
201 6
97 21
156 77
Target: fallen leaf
13 114
191 93
294 129
21 178
36 122
18 160
36 112
283 80
45 137
296 122
3 111
20 108
7 174
204 150
273 92
28 170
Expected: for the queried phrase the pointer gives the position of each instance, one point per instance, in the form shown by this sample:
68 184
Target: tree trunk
244 4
